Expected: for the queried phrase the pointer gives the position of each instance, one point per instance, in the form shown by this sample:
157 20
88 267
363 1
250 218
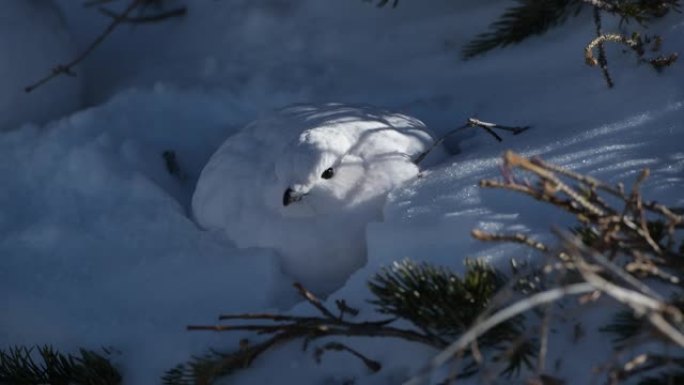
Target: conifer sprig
20 365
521 21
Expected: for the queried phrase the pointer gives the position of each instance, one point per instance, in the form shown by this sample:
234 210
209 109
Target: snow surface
97 246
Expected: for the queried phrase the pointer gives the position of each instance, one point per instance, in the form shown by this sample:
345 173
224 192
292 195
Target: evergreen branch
527 18
19 366
484 325
435 299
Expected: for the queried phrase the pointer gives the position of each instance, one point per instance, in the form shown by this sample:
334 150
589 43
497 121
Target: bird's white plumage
320 232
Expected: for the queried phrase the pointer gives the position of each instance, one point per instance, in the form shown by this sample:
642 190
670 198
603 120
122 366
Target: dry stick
544 340
640 303
287 328
593 183
588 50
602 59
67 69
618 192
96 2
538 195
372 365
619 272
512 159
472 122
176 12
500 316
515 238
312 299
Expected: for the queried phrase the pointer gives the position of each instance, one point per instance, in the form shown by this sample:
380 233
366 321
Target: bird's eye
327 174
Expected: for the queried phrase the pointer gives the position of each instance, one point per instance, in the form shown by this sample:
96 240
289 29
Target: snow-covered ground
97 247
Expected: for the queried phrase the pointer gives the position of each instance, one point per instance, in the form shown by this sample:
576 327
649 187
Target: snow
33 39
97 243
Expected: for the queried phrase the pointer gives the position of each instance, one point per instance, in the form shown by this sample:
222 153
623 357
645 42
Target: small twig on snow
176 12
67 69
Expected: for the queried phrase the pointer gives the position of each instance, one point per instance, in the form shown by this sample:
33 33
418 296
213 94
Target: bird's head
316 174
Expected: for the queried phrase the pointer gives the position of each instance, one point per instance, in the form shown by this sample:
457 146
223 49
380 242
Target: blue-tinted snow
96 244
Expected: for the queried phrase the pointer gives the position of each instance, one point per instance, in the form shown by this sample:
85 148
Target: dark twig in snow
176 12
602 59
68 69
372 365
472 122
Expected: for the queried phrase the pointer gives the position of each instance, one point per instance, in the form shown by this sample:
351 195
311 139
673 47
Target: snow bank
97 247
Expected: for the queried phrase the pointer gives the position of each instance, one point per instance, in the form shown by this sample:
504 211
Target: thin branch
544 341
472 122
176 12
515 238
312 299
68 69
372 365
602 59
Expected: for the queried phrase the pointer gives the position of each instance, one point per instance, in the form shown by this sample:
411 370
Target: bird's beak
291 196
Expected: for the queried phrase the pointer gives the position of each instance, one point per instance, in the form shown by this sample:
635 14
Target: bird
305 180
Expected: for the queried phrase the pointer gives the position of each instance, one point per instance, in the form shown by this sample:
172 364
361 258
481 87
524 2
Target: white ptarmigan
305 181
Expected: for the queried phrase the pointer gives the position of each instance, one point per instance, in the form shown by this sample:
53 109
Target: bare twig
472 122
161 16
653 307
372 365
516 238
602 61
312 299
67 69
612 37
285 328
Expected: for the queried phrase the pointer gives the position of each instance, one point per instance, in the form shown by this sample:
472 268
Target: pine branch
526 19
486 324
19 366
